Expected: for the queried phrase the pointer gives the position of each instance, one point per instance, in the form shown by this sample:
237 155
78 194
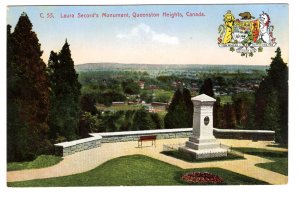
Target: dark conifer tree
88 103
27 94
180 111
207 88
65 93
275 84
217 113
189 106
278 74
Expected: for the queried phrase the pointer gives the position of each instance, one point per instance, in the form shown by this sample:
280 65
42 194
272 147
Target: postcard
147 95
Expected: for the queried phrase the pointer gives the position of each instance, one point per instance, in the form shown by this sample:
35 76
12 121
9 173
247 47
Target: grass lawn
41 161
134 170
280 158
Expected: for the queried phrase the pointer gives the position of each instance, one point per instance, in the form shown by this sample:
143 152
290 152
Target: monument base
205 153
203 148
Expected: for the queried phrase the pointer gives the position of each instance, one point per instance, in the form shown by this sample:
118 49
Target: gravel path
89 159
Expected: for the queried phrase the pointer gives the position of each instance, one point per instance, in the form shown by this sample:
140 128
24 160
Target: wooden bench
147 138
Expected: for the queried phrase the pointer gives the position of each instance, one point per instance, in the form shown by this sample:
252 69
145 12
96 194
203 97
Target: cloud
145 33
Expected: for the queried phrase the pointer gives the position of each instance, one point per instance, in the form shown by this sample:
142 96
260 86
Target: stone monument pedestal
203 148
203 144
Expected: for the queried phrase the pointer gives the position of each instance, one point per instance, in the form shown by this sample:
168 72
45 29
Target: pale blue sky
187 40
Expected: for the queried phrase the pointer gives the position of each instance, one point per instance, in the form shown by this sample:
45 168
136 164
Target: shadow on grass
279 159
262 152
278 145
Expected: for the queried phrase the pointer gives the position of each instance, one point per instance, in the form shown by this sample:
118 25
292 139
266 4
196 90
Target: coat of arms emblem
247 34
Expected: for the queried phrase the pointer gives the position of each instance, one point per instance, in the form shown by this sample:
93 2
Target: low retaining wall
134 135
255 135
68 148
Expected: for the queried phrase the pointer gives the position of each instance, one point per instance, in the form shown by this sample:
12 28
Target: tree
143 121
88 103
130 87
180 111
159 122
229 116
278 74
189 106
243 104
65 93
27 94
271 117
275 84
207 88
89 124
217 113
128 120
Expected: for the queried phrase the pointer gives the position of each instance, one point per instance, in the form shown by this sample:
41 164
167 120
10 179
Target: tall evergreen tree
271 117
229 116
189 105
217 113
27 94
275 84
65 93
207 88
243 104
278 74
180 111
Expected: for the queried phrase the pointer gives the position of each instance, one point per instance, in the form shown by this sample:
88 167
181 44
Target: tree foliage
27 94
143 121
180 111
130 87
207 88
88 103
65 93
271 111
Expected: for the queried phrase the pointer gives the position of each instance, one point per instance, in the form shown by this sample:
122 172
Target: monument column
203 117
202 143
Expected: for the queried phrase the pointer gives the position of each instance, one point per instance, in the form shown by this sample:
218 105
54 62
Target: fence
208 154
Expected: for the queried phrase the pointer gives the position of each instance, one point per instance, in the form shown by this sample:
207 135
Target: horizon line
172 64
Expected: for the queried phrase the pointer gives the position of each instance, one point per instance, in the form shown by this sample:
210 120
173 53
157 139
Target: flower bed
201 178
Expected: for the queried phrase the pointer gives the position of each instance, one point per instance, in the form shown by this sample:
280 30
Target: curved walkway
89 159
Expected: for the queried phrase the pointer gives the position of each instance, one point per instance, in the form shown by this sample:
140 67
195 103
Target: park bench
147 138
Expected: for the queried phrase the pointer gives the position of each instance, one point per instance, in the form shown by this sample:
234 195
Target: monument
202 143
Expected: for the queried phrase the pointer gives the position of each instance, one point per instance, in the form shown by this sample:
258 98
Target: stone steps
204 153
201 146
198 140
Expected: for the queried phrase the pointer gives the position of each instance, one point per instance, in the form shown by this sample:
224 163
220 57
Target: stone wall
134 135
255 135
68 148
